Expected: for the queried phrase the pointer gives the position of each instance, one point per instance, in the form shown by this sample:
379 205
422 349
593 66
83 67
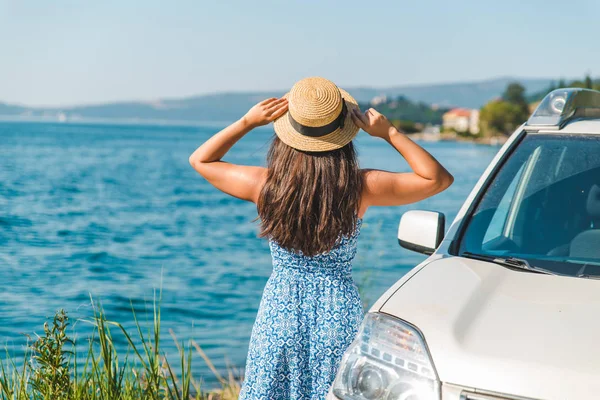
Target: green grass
50 369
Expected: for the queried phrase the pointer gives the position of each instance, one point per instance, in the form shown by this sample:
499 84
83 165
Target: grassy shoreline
50 369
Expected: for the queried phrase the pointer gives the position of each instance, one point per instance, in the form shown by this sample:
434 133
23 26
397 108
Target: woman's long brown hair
309 198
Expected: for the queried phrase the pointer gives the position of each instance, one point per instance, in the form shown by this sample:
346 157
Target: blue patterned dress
308 315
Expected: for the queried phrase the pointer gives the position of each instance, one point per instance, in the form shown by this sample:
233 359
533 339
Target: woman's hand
384 188
372 122
241 181
266 111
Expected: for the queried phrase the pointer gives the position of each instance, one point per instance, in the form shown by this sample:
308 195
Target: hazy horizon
70 52
223 92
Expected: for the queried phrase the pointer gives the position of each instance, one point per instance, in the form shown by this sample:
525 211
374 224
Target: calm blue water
112 211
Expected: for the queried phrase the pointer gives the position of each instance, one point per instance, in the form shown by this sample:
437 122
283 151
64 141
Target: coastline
419 136
497 140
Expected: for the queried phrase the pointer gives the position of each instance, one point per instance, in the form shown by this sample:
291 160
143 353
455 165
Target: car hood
492 328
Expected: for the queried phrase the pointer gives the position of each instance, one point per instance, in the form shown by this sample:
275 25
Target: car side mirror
421 231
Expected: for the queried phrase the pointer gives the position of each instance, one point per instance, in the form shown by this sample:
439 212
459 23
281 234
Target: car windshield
543 206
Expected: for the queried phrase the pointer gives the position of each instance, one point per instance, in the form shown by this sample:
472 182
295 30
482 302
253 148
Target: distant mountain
7 109
462 94
229 106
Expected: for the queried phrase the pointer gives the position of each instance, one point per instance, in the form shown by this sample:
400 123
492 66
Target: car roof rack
562 106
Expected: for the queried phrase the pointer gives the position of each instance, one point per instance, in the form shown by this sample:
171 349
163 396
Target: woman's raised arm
383 188
241 181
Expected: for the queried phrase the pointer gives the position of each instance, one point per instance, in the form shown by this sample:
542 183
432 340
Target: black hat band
317 131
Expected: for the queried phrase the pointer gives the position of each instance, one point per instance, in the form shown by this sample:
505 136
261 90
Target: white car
508 304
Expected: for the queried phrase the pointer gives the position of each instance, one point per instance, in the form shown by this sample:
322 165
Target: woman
311 199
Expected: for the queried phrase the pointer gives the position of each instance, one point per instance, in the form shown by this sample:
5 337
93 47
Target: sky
67 52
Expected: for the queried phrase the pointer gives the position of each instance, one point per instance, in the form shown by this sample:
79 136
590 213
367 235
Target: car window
499 224
543 206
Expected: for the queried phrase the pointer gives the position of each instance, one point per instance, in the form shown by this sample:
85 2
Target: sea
112 214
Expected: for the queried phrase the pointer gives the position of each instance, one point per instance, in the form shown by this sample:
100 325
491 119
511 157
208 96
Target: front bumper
454 392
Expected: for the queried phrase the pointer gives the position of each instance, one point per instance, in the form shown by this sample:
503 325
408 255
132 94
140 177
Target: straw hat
318 116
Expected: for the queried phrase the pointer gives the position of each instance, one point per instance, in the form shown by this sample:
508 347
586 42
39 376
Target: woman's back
309 314
337 261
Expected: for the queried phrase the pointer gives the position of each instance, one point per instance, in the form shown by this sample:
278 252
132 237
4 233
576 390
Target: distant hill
7 109
402 109
230 106
462 94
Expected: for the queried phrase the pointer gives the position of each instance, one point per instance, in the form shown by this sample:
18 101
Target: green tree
577 84
515 94
405 126
500 117
588 82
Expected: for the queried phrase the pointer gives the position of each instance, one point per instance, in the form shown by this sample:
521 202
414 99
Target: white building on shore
462 120
382 98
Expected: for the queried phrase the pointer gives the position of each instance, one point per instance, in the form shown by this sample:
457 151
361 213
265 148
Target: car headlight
388 360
